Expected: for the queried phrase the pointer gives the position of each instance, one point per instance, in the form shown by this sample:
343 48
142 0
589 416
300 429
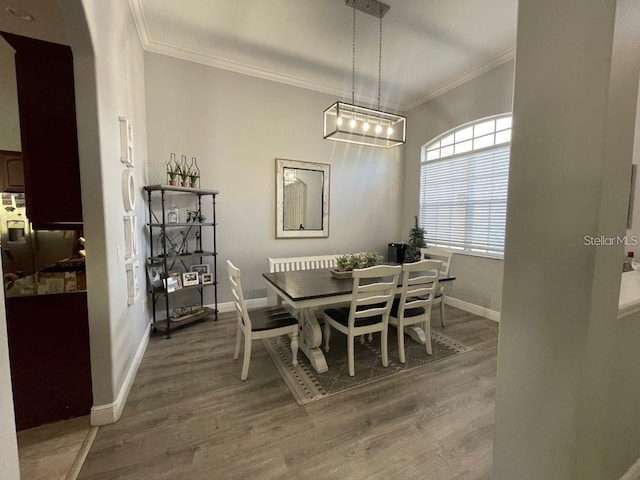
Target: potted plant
370 259
185 173
416 242
350 261
194 173
173 169
343 262
193 180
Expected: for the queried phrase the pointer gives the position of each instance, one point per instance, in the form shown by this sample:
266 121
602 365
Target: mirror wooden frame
281 164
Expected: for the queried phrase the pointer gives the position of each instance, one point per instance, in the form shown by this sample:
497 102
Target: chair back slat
441 254
238 295
373 292
435 253
419 284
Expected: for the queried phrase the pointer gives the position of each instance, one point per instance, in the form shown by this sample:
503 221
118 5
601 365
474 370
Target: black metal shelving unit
173 258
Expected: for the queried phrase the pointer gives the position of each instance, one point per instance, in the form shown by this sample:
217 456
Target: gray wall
236 126
634 232
479 279
623 434
567 386
109 80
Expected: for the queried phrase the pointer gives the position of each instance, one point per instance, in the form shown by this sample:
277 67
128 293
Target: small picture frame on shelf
190 278
175 280
207 278
171 284
155 273
200 268
173 215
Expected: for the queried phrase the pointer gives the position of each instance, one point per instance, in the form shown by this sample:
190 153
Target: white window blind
463 196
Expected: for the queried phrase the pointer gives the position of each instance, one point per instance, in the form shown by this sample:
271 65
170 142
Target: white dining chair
419 287
373 292
445 257
257 323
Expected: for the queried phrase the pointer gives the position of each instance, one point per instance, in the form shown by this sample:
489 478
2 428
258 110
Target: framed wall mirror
302 199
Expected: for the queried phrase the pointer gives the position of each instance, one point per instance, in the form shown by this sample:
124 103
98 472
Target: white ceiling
428 46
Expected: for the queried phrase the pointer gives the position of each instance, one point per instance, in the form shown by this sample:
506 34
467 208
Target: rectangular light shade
348 123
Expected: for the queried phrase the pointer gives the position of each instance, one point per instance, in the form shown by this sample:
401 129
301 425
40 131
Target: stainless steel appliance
15 237
24 250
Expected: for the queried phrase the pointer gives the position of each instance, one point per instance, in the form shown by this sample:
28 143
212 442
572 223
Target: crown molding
475 72
237 67
232 66
229 65
140 22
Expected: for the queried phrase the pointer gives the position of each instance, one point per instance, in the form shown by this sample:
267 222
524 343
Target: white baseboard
454 302
110 413
230 306
472 308
633 473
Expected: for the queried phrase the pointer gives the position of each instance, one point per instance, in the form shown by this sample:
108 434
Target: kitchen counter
629 300
65 276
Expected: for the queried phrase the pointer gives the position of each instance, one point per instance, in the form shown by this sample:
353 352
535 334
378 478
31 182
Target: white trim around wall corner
633 473
110 413
472 308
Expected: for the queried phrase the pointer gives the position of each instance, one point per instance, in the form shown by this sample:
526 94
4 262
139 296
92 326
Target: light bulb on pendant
352 123
339 121
389 131
378 128
365 125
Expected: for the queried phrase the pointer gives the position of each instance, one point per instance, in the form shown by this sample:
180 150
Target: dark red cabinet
48 334
50 357
46 101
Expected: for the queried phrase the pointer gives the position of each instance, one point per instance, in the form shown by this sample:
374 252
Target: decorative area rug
307 385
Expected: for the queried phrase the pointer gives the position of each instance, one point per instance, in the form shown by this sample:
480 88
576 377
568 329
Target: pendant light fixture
348 122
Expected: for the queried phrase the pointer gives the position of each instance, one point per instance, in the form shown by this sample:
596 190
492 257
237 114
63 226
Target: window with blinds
463 187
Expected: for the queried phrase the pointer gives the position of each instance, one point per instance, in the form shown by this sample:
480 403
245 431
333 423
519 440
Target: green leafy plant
371 259
173 169
343 261
194 173
350 261
184 172
416 242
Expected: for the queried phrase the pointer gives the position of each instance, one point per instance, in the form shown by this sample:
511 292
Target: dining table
307 290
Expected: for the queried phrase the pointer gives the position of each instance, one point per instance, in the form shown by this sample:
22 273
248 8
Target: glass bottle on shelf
194 173
184 172
173 168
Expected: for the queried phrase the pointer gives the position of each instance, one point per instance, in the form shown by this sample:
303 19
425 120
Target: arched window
463 187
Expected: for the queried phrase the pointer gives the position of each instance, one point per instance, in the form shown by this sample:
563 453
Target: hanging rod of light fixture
351 123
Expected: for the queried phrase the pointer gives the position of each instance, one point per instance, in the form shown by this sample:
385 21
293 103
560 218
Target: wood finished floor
48 452
189 416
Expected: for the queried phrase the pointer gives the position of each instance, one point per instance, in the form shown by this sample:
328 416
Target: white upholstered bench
289 264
